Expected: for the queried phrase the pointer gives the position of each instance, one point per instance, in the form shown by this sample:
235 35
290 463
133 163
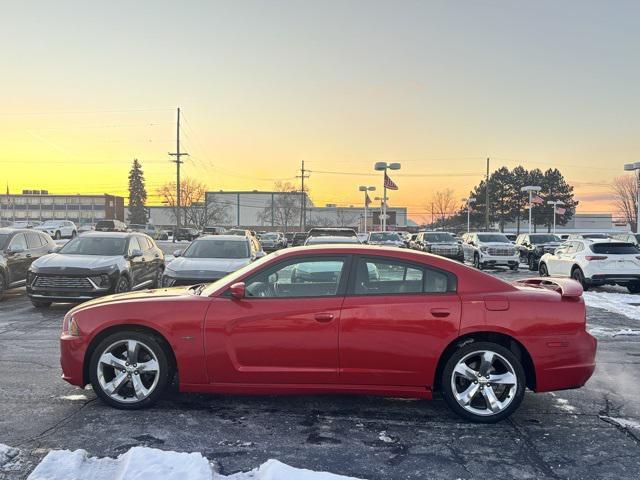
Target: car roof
17 230
217 238
110 234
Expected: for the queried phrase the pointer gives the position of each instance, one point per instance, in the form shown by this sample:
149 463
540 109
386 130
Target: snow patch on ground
563 404
9 458
74 397
623 422
606 332
141 463
383 437
621 303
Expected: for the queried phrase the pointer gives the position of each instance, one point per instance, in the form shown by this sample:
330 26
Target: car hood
183 264
550 244
160 293
60 261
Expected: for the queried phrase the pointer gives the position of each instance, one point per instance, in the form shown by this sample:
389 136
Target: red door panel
395 339
273 340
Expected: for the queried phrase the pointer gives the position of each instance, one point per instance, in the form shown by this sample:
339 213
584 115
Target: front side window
386 277
19 241
303 278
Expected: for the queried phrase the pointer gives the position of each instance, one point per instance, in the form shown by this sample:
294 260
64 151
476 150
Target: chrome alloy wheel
484 383
128 371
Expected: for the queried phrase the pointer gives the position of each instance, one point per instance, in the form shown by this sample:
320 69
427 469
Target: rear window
615 248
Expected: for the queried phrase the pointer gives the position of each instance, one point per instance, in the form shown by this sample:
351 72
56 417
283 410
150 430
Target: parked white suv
58 228
488 249
595 262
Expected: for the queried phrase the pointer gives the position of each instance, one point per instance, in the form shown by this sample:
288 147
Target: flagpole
383 166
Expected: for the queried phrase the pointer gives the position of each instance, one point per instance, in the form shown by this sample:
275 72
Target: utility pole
303 199
178 161
486 200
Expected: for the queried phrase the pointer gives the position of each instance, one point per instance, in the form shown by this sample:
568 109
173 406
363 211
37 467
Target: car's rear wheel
130 370
123 284
483 382
57 235
578 276
542 270
633 287
74 234
40 303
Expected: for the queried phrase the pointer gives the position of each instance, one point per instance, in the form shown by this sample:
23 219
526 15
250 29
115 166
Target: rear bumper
565 362
72 352
617 278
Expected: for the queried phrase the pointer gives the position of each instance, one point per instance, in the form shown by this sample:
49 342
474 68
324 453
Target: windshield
107 246
384 237
4 238
439 237
217 249
535 239
493 237
595 235
50 223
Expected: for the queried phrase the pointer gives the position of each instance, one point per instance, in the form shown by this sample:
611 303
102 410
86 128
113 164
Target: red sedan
338 319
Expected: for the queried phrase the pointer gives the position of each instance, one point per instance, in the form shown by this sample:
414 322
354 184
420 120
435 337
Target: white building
579 223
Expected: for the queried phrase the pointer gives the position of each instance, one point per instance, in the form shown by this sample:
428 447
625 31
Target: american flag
388 183
537 200
367 199
560 211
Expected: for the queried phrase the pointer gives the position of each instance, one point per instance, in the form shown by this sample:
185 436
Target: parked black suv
533 245
18 249
95 264
110 226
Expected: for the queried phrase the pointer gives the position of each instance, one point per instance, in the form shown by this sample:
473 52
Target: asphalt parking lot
593 432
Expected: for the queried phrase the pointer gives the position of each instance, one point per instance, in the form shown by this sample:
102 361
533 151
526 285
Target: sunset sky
438 86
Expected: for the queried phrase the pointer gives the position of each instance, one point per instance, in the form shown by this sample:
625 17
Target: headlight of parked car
101 281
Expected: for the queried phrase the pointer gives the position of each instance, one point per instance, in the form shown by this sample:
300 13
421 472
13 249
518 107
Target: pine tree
137 194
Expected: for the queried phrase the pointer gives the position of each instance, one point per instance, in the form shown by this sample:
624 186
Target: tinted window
306 278
95 246
217 249
536 239
493 237
615 248
33 240
133 245
108 224
383 277
19 241
439 237
384 237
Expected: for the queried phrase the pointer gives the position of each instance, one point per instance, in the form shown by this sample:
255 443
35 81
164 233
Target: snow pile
603 332
142 463
8 458
621 303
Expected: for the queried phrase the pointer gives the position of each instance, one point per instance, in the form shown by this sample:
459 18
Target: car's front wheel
123 285
57 235
633 287
476 262
130 370
532 263
40 303
483 382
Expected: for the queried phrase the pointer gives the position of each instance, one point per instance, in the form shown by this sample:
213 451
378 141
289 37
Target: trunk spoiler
564 286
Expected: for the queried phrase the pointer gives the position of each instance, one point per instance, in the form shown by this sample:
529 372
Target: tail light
595 257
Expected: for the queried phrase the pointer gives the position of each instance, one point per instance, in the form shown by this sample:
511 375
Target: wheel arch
95 341
507 341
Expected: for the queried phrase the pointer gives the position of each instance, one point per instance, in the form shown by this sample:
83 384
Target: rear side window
615 248
387 277
33 240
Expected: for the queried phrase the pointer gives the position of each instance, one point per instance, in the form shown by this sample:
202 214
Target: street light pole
383 167
469 201
636 167
531 189
366 189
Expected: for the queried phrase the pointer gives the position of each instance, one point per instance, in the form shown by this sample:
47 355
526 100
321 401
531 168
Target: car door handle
440 312
324 317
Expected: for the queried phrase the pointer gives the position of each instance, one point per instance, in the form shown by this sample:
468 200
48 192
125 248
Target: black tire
74 234
40 303
3 285
467 349
578 276
157 282
476 261
633 287
514 268
532 263
165 368
57 235
123 284
542 270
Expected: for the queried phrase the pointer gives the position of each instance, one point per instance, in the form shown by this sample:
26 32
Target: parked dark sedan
95 264
18 249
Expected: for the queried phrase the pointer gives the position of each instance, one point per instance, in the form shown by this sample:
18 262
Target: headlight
102 281
70 327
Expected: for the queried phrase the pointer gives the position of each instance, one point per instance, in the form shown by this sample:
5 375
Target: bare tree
444 204
193 209
285 208
625 192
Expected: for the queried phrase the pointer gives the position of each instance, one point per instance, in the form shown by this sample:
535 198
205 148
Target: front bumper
486 259
86 289
72 353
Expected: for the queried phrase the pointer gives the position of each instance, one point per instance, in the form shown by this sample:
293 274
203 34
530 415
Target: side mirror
238 290
177 253
135 253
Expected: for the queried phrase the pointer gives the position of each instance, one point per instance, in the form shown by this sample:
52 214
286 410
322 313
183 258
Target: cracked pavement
593 432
